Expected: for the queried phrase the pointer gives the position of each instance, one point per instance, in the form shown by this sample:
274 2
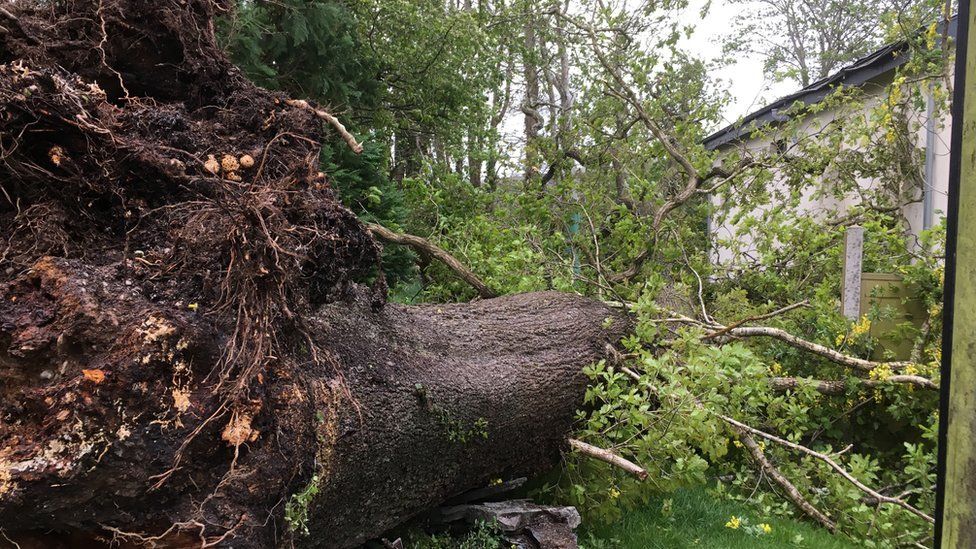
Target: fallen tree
186 358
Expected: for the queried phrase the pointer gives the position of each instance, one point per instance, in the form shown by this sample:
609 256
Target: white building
872 74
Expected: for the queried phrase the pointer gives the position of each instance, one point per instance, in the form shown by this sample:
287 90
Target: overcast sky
749 88
747 84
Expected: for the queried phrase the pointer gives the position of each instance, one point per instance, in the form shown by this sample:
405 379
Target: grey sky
749 88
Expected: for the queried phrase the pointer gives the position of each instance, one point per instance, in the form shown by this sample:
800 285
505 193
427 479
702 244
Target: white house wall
829 207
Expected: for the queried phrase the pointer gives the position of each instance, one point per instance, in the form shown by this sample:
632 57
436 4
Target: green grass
697 519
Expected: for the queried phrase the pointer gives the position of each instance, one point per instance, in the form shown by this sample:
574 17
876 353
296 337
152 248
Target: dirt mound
128 139
147 191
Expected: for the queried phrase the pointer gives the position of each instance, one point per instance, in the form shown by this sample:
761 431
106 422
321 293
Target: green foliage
296 509
691 518
311 49
366 188
483 536
456 429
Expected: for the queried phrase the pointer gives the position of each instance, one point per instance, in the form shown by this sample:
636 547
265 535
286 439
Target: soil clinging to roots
184 351
150 190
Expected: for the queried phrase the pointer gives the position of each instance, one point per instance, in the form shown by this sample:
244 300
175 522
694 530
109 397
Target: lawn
698 519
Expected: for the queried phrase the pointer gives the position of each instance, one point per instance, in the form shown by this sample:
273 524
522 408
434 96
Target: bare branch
757 318
332 120
815 348
608 457
839 387
428 248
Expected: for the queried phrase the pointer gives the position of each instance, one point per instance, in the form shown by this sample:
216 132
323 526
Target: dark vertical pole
955 511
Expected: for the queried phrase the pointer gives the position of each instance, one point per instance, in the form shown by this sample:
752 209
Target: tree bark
430 402
186 359
531 120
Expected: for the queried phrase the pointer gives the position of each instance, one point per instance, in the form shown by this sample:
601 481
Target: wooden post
850 288
956 488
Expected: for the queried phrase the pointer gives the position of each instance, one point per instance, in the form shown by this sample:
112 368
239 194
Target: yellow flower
733 523
495 482
737 444
766 528
776 368
614 493
861 327
880 372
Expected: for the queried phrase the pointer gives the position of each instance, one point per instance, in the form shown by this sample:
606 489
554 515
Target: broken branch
815 348
757 318
609 457
426 247
789 489
839 387
332 120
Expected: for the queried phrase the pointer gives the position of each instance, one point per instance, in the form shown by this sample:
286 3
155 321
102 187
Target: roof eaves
854 75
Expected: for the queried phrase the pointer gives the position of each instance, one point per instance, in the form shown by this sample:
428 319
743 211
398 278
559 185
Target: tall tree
806 40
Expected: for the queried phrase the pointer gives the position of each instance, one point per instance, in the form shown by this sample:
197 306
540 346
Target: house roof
856 74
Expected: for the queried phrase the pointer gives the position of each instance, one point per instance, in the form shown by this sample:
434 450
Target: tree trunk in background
531 120
474 158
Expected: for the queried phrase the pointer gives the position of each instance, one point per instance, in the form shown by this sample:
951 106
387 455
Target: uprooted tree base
185 358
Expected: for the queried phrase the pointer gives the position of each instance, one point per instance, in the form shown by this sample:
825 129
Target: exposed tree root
184 349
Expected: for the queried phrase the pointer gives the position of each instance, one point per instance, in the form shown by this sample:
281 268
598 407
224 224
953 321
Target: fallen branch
789 489
757 318
880 498
609 457
839 387
735 330
815 348
332 120
792 493
428 248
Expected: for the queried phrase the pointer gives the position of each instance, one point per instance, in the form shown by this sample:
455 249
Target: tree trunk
531 119
432 401
186 358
